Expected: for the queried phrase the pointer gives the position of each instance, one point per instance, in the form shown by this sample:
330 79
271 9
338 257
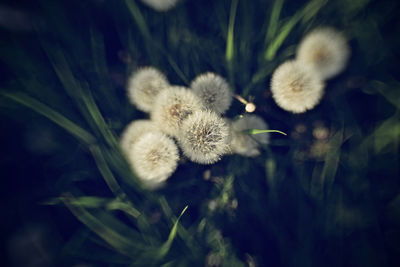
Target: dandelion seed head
143 87
204 137
154 157
172 106
296 87
133 131
214 91
160 5
243 143
325 50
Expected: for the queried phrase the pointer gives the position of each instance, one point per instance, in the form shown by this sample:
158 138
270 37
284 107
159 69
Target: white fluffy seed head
204 137
154 157
172 106
325 50
133 131
214 91
143 87
243 143
296 87
160 5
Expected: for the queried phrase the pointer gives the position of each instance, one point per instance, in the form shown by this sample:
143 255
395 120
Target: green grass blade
105 171
312 9
122 201
52 115
308 12
176 68
138 17
152 257
97 117
140 21
124 206
230 49
85 202
283 34
97 202
274 20
100 66
387 135
167 245
332 161
391 91
229 40
257 131
70 83
116 240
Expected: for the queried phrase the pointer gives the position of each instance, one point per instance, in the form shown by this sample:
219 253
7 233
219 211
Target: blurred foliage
327 194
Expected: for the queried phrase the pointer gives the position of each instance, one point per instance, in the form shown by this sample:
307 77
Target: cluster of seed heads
190 118
298 85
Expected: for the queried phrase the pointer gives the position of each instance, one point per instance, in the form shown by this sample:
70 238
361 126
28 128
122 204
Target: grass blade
229 40
152 257
274 20
332 161
106 172
98 202
308 12
167 245
116 240
139 19
52 115
256 131
229 52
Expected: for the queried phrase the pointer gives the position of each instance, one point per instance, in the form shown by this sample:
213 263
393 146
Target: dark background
352 222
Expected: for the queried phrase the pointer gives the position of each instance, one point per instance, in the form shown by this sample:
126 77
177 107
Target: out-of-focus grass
305 201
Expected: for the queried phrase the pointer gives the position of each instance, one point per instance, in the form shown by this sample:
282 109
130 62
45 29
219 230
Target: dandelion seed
143 87
244 144
296 87
160 5
133 131
204 137
154 157
172 106
325 50
250 107
214 91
